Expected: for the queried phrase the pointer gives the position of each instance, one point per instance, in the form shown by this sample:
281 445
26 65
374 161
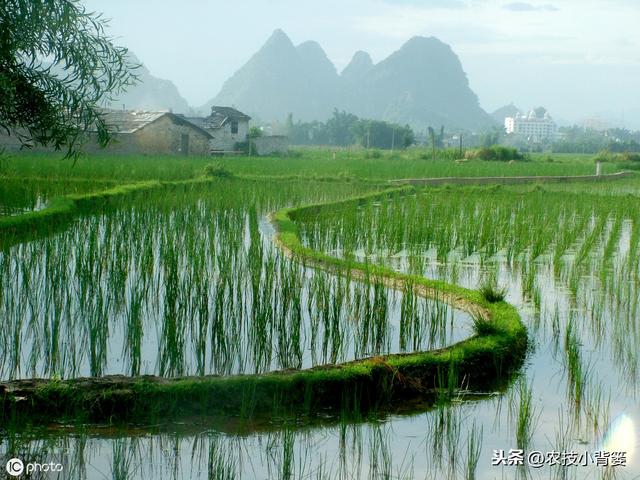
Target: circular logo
15 467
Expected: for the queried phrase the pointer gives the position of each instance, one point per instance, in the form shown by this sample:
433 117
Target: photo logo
15 467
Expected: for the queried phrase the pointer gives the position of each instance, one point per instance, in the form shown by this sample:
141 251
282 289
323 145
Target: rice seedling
222 463
524 414
124 456
474 449
577 373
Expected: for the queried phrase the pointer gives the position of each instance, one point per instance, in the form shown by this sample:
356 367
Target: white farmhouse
537 125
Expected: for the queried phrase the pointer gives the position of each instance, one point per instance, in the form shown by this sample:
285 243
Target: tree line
581 140
346 129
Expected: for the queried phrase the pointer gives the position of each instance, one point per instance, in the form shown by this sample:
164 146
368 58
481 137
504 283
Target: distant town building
595 123
537 125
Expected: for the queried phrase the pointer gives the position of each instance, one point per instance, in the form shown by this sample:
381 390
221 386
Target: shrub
217 170
630 157
294 153
495 153
373 154
603 156
606 156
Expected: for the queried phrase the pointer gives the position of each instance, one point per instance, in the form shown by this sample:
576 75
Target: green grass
319 164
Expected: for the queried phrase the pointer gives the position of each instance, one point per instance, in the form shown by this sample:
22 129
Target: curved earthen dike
510 180
480 363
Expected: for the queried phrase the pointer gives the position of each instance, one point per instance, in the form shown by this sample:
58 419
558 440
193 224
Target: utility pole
393 139
461 146
368 135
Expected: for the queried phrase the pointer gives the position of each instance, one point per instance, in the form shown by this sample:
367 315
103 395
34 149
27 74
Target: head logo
15 467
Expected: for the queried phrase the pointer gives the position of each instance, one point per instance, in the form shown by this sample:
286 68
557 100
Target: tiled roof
126 121
229 112
220 116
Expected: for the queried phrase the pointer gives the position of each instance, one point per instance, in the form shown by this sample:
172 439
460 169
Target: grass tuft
483 326
492 293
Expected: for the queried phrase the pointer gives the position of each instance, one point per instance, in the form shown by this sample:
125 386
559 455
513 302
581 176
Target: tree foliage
583 140
344 129
379 134
254 132
56 65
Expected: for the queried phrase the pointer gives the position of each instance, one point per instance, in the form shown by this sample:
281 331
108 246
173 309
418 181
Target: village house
136 132
227 127
154 133
166 133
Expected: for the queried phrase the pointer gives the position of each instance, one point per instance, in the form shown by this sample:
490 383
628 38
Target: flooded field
192 283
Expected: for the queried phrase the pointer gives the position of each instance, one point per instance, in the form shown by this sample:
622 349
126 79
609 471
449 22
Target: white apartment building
536 125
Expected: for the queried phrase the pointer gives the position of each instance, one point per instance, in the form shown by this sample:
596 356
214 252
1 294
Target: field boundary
60 209
55 216
480 363
511 180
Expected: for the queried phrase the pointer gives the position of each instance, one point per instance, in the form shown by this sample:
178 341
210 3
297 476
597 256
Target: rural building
166 133
154 133
536 125
137 132
226 125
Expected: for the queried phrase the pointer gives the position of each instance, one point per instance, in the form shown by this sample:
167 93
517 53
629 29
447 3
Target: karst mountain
423 83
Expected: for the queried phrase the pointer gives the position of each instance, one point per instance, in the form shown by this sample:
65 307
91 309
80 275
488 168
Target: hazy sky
576 57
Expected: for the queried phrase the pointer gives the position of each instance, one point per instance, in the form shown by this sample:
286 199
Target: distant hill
506 111
281 78
151 93
421 84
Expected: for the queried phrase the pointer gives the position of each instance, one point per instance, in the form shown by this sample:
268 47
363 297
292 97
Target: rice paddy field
186 275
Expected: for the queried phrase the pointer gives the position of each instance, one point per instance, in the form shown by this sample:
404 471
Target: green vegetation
605 156
525 414
345 129
482 326
585 140
300 390
318 164
371 339
491 292
495 153
217 170
52 81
